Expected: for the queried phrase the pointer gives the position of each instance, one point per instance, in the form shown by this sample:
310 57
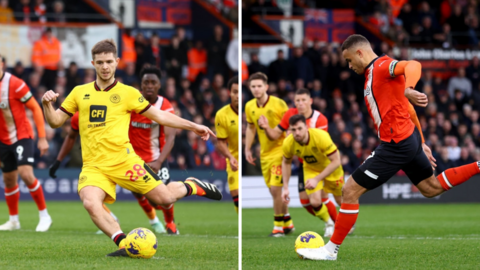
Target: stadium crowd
450 123
194 78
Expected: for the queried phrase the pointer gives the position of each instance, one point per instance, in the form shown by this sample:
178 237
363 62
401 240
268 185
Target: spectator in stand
255 65
473 30
279 69
182 37
128 49
197 61
216 51
473 72
46 57
408 17
6 13
73 77
302 68
143 49
461 83
443 162
445 38
427 30
23 11
20 72
40 10
130 77
465 158
157 52
176 59
58 14
457 23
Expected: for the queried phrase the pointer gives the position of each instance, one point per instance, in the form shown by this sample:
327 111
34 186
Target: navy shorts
164 173
301 183
388 158
17 154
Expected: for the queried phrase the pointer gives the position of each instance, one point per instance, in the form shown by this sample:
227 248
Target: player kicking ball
17 147
226 125
322 169
105 107
389 86
272 108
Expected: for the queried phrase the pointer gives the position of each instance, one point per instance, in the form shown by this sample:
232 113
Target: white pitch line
158 234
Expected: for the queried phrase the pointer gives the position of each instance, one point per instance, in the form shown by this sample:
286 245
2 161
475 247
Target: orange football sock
147 208
332 210
37 194
306 204
456 176
346 218
12 196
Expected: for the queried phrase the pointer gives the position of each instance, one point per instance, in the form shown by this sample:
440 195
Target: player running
270 150
389 85
226 125
104 107
315 119
17 148
322 169
144 133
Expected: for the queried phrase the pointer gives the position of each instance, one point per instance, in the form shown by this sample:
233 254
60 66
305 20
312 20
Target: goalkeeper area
414 236
208 238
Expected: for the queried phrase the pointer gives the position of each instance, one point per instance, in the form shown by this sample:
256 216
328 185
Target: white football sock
153 221
14 218
332 248
44 213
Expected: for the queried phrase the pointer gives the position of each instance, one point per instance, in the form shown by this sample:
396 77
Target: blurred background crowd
450 123
195 73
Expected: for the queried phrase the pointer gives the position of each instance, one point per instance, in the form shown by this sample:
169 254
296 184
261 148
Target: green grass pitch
421 236
208 239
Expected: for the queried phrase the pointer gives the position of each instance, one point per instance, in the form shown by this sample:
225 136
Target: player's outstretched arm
67 146
249 136
286 173
171 120
272 133
334 164
55 118
223 148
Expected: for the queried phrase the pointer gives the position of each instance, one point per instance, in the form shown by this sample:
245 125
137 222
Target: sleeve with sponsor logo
222 132
167 106
19 89
325 143
69 105
135 101
287 147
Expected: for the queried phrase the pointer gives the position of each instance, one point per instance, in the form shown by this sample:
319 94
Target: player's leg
232 179
315 196
12 197
380 166
92 198
150 212
168 210
36 191
332 209
111 214
304 200
278 211
12 191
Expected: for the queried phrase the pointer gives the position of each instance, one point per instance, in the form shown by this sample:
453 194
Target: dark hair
231 82
105 46
150 70
258 76
303 91
297 118
354 40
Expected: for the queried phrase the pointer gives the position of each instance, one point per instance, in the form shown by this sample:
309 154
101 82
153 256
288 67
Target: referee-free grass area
208 239
420 236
